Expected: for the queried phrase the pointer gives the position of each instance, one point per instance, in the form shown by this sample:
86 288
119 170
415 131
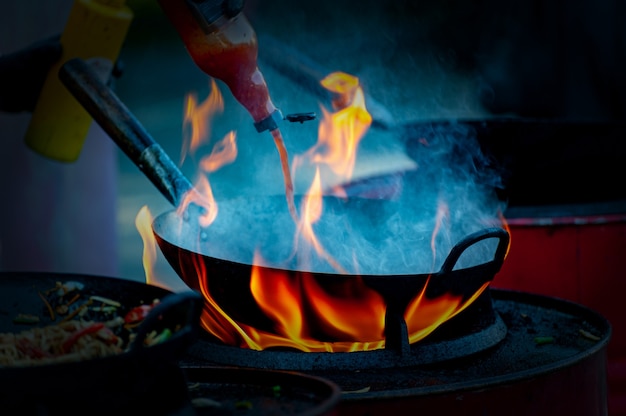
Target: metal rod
124 129
306 72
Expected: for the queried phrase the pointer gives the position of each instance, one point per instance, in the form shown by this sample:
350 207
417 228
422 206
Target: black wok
103 385
230 275
208 263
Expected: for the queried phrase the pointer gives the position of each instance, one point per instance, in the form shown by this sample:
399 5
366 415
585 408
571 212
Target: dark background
427 60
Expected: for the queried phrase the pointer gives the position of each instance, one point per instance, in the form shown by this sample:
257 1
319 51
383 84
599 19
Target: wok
229 282
229 276
103 385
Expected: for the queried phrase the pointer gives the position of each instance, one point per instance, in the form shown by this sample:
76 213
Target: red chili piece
137 314
108 336
67 345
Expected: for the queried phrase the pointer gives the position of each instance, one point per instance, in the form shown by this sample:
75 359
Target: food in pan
82 326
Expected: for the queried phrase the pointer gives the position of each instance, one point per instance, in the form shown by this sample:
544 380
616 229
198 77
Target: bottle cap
270 122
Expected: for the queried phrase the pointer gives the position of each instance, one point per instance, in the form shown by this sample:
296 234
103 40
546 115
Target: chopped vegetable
115 322
69 343
62 309
69 286
77 311
589 335
25 318
104 309
137 314
108 336
48 306
243 404
544 340
163 336
74 299
106 301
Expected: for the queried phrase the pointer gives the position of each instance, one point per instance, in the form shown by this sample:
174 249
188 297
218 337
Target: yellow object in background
95 32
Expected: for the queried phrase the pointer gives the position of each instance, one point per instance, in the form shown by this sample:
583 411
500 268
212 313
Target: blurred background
428 60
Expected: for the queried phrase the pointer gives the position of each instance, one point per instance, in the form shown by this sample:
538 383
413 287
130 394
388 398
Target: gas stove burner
551 360
478 328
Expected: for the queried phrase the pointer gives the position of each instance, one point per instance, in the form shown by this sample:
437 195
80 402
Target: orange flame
213 319
424 315
338 139
300 306
142 222
340 133
311 213
310 317
224 152
197 117
504 223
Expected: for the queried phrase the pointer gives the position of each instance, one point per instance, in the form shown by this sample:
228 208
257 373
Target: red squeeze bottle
223 44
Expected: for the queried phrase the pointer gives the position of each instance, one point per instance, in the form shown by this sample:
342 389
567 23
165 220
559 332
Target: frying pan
231 274
107 384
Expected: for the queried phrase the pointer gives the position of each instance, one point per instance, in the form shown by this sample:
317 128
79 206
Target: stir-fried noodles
68 341
83 327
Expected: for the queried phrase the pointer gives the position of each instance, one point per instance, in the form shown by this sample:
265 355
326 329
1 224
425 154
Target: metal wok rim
159 220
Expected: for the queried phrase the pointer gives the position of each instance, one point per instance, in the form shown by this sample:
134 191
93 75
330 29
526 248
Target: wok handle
125 130
494 232
189 303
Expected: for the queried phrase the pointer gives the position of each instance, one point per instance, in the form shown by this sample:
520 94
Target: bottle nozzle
270 122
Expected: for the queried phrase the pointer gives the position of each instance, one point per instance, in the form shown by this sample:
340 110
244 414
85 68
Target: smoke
451 195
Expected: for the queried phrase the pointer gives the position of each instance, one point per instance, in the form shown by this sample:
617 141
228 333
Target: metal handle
189 302
503 245
125 130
